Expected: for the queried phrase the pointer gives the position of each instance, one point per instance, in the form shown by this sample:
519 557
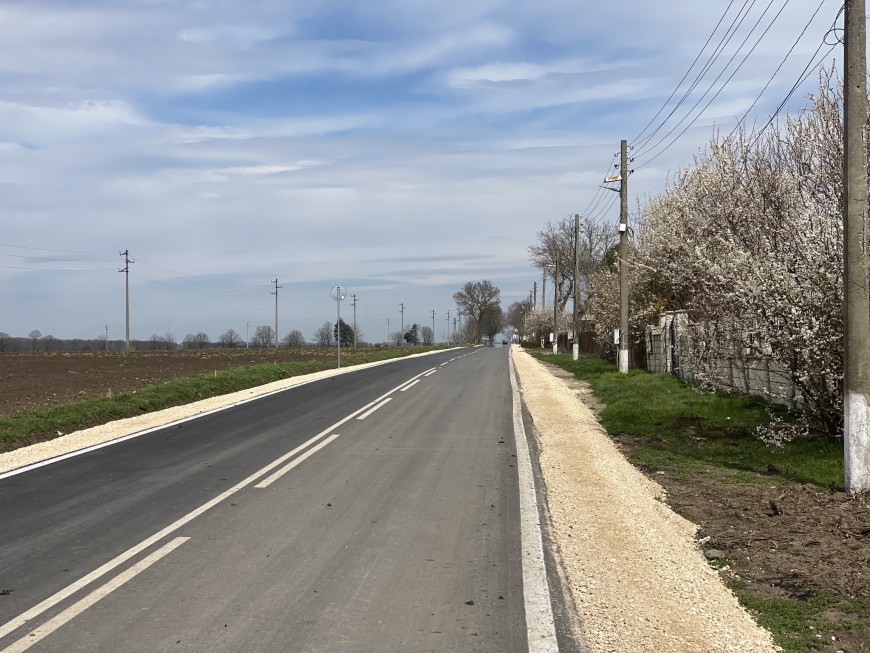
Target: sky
399 148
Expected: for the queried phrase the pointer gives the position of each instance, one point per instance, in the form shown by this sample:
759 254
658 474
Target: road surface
373 511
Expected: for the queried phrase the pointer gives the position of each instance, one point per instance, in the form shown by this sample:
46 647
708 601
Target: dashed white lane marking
375 407
69 590
46 629
540 626
430 373
409 386
313 450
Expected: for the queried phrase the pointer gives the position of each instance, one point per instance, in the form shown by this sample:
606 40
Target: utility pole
544 290
107 337
276 309
556 308
447 335
388 331
402 329
623 256
247 341
354 320
126 271
856 303
433 326
575 346
535 302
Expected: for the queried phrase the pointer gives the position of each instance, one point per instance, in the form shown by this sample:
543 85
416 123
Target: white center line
69 590
375 407
313 450
46 629
430 373
409 386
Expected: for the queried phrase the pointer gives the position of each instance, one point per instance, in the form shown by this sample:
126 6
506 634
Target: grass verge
39 425
676 427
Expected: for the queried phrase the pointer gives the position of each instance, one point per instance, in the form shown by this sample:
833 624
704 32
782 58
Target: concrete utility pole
535 289
623 256
556 308
107 337
402 329
856 303
575 347
433 326
247 329
354 320
544 290
126 271
447 335
388 330
276 309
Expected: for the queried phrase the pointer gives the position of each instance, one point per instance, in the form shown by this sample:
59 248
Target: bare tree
556 243
264 336
294 339
196 341
4 340
396 338
50 343
475 300
323 335
35 336
230 339
427 336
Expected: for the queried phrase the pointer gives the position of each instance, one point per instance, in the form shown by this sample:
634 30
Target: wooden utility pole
623 256
402 328
433 326
276 309
856 303
575 347
126 271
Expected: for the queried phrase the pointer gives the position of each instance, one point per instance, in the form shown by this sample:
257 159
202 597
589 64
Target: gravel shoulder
636 575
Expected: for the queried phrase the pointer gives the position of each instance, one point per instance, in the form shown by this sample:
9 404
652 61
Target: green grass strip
39 425
676 427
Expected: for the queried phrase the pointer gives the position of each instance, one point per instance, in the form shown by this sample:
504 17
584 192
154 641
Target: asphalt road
374 511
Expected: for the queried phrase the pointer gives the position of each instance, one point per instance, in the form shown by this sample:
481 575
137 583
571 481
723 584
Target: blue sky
397 147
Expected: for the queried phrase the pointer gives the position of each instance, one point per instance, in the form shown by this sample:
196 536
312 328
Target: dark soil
30 381
786 540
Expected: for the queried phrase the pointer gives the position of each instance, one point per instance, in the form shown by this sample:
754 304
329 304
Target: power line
781 64
723 42
721 88
804 75
686 74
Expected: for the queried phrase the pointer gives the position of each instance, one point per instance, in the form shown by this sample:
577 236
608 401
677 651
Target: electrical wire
721 88
686 74
781 64
723 43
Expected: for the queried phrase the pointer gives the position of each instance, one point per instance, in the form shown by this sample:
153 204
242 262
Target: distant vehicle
504 342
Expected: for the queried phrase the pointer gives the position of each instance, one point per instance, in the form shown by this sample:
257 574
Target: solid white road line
410 385
375 407
46 629
541 628
313 450
120 559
